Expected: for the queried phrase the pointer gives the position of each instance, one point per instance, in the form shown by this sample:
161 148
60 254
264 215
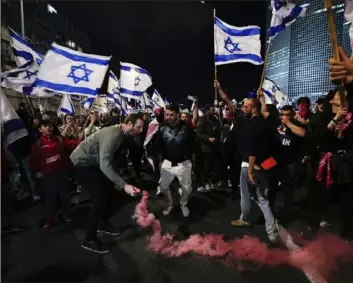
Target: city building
44 24
298 56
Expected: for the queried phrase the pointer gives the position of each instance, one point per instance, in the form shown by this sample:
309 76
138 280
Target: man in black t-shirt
290 134
176 143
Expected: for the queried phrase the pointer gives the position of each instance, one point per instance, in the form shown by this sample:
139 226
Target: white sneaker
167 211
324 224
273 238
201 189
158 191
229 183
185 210
208 188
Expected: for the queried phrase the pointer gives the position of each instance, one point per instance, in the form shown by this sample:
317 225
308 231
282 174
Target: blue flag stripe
237 32
130 92
11 126
66 88
79 58
20 39
225 58
139 70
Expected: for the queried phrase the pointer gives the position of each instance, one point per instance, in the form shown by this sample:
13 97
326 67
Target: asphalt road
55 255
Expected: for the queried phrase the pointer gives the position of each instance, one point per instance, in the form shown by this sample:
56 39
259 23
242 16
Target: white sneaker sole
95 251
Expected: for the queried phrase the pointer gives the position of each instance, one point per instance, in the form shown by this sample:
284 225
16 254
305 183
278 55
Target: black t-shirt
257 139
290 144
176 143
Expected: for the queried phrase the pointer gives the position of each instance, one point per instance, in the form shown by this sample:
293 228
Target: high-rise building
298 56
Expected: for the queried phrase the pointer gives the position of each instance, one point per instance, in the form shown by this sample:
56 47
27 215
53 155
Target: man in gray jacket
93 161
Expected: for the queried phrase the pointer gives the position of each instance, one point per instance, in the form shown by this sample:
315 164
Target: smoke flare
320 256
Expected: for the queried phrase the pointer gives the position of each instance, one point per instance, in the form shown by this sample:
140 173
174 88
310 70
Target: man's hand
212 140
216 85
251 176
285 120
342 70
340 114
131 190
81 136
260 93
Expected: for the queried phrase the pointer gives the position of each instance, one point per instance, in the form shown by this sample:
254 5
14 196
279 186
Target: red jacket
51 156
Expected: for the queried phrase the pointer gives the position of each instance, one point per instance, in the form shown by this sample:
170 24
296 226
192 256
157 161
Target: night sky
173 41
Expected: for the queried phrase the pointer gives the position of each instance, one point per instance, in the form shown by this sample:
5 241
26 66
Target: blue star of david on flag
29 74
76 77
39 61
274 89
137 81
230 46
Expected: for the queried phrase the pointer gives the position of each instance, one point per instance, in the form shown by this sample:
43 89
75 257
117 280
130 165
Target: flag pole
214 53
334 43
265 63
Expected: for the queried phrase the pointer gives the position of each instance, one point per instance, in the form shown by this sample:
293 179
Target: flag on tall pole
283 15
68 71
134 80
66 106
236 44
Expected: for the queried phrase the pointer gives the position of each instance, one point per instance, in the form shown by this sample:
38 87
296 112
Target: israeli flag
66 106
20 79
12 128
166 102
23 51
283 15
158 100
72 72
147 102
87 103
273 94
236 44
113 86
134 80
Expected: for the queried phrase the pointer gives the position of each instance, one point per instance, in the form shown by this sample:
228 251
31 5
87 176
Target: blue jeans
261 190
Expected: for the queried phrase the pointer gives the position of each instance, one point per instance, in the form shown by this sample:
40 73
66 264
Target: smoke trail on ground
320 255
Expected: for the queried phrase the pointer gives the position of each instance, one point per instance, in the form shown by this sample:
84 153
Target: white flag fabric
87 103
348 14
69 71
113 85
12 128
134 80
23 51
273 94
20 79
66 106
158 100
283 15
236 44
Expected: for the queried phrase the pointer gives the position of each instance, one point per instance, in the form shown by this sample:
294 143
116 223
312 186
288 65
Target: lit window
51 9
71 44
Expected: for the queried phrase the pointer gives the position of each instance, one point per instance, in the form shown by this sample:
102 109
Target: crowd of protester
256 150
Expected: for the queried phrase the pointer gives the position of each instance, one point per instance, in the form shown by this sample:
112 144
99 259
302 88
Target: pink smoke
320 256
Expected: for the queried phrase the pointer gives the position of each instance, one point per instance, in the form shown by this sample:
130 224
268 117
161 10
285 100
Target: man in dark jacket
208 130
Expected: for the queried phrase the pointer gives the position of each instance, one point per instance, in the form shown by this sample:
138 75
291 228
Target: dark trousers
56 188
96 184
199 168
321 198
8 201
286 174
212 165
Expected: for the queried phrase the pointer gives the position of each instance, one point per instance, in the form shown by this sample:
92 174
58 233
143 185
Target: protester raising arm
224 96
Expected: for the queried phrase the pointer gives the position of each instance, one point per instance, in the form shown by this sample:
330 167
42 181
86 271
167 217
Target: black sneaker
95 245
108 231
